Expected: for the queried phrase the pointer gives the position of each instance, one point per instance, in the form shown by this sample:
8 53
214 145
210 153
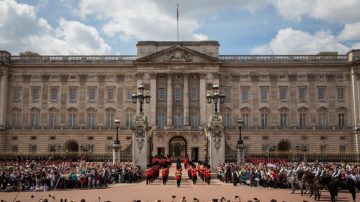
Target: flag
177 13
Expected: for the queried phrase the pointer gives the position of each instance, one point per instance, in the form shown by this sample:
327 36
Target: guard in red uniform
193 175
149 174
178 177
165 175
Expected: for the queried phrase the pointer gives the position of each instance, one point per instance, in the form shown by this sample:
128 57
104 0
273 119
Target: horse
347 183
293 179
313 183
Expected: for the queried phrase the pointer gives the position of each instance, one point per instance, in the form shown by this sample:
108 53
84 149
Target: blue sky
101 27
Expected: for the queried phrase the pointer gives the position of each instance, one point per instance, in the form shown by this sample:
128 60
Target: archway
177 147
71 146
284 146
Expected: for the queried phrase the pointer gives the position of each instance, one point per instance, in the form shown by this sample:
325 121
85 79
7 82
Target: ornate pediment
177 54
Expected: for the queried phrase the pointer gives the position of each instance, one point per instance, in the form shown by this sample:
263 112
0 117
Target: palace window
342 148
323 148
92 94
14 148
162 95
302 120
264 120
161 119
245 93
341 117
72 119
283 120
35 94
227 119
264 94
129 120
283 93
17 94
194 120
177 120
110 94
194 93
110 120
32 148
53 119
340 94
54 93
129 95
91 119
245 119
72 94
178 93
322 120
321 93
34 119
302 94
15 119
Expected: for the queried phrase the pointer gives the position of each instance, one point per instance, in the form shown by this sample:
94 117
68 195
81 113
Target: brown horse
313 183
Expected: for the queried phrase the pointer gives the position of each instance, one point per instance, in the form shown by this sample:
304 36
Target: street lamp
240 144
216 96
141 96
116 145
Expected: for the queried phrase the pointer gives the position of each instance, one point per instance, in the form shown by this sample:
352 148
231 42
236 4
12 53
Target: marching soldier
178 177
165 175
193 175
149 175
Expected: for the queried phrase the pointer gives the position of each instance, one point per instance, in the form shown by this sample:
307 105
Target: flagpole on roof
177 20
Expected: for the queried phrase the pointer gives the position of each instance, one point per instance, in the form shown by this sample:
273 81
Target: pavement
157 191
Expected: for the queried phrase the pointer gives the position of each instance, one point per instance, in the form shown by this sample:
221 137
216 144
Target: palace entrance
177 148
71 146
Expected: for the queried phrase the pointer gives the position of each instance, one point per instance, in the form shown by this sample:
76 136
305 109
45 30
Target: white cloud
344 11
350 32
21 30
290 41
156 20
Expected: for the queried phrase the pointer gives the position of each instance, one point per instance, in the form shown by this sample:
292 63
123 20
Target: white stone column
153 99
203 101
186 100
169 100
355 93
3 99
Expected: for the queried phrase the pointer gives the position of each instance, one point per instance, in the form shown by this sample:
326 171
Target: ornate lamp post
240 144
116 144
141 96
215 97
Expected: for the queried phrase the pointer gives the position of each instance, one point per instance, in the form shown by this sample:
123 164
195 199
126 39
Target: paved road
149 193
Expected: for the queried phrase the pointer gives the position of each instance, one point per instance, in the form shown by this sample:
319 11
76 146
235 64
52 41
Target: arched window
91 118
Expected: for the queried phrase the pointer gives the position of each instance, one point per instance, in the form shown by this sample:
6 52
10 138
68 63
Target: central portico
178 75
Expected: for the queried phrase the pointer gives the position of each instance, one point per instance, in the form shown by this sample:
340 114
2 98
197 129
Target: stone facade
69 103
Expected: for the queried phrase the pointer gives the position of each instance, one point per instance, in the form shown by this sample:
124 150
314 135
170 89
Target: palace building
290 103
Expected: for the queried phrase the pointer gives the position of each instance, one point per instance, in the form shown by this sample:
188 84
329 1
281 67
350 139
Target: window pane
194 93
245 93
161 93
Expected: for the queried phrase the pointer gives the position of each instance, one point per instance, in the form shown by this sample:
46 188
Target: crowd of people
275 173
62 174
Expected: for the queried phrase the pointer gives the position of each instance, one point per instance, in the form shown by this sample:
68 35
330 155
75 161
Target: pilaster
3 99
202 98
153 99
186 99
63 99
169 100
